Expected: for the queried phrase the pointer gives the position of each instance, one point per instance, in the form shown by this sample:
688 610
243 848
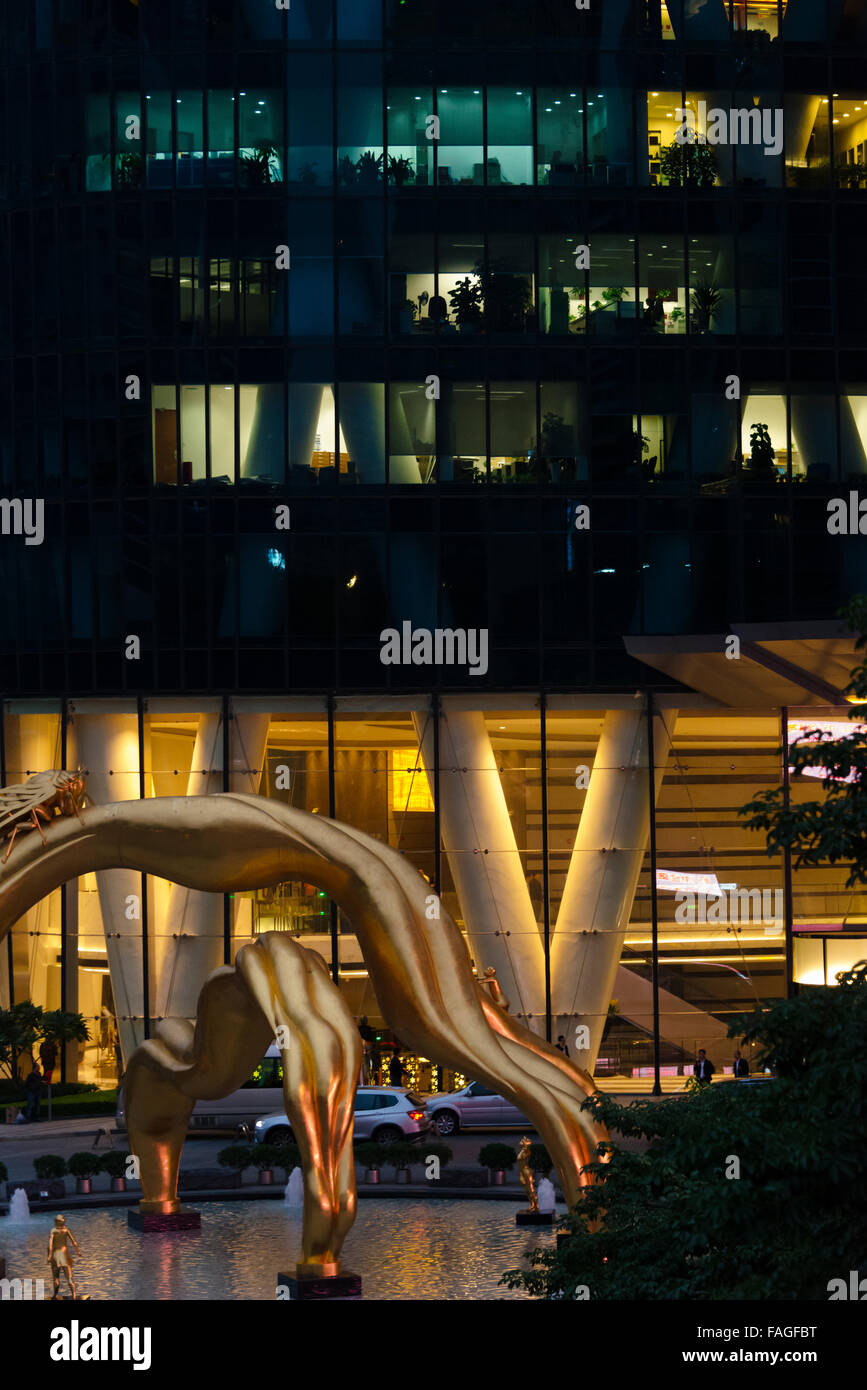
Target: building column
603 875
484 861
107 749
189 940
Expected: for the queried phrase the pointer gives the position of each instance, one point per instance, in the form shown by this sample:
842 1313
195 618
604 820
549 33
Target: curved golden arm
419 968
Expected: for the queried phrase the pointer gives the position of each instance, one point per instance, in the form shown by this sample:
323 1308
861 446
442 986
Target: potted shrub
286 1156
48 1166
236 1156
677 318
540 1160
466 305
372 1156
400 169
114 1163
400 1156
129 171
613 295
346 170
762 466
264 1158
498 1159
84 1168
307 172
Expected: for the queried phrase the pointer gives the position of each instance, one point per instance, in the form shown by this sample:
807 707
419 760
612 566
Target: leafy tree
832 830
61 1026
746 1191
20 1026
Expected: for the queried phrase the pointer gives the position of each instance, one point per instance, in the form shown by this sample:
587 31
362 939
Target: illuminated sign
671 881
808 731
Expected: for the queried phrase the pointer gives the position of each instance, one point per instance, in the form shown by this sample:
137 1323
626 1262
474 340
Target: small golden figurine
525 1173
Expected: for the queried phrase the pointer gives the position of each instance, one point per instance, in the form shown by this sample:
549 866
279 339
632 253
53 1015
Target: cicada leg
36 813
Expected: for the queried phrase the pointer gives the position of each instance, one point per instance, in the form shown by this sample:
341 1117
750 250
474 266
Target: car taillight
416 1114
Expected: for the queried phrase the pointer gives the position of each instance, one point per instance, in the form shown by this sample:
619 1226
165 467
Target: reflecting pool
402 1249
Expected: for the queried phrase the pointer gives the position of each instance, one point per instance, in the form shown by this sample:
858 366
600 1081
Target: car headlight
260 1124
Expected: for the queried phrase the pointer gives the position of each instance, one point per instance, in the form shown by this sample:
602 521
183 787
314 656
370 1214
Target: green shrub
499 1157
264 1156
401 1154
373 1155
440 1151
540 1159
113 1163
85 1164
237 1156
286 1156
49 1166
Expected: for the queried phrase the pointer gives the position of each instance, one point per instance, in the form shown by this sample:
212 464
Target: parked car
382 1113
261 1092
474 1107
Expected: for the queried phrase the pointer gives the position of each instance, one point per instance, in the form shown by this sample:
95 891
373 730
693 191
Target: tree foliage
832 830
675 1222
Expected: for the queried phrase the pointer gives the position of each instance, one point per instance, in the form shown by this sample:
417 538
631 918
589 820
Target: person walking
704 1068
561 1045
59 1255
48 1058
742 1066
396 1070
33 1087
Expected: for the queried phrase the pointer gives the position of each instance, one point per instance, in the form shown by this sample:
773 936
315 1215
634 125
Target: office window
459 151
129 140
514 452
412 428
310 156
609 141
759 271
507 282
463 456
158 139
814 437
260 136
510 136
361 406
410 155
559 136
853 433
662 306
613 308
849 133
360 269
414 305
461 258
711 307
562 412
764 436
221 139
562 288
360 154
190 139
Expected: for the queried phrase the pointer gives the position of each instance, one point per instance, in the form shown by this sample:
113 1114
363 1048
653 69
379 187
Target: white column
107 748
484 861
603 875
189 939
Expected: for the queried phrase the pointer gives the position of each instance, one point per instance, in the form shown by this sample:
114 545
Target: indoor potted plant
466 304
84 1167
498 1159
114 1163
693 164
400 169
235 1156
257 166
368 166
706 300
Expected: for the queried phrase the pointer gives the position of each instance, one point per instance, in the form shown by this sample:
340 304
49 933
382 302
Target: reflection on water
402 1249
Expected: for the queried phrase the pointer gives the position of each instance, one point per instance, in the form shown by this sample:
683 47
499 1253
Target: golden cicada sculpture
44 795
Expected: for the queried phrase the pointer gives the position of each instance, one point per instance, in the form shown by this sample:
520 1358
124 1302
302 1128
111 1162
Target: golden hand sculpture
419 969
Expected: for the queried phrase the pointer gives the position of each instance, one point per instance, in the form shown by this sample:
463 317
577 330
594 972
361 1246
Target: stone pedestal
534 1218
161 1221
312 1287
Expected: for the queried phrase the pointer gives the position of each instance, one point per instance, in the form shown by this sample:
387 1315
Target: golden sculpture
419 969
22 803
525 1173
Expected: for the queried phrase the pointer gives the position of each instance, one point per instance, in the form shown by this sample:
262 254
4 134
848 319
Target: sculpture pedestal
534 1218
312 1287
152 1221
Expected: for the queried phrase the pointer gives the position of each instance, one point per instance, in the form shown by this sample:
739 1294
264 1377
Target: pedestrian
561 1045
396 1070
704 1068
59 1255
33 1087
537 894
375 1062
742 1066
48 1058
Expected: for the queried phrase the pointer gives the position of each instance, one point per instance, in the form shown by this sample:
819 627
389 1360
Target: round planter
118 1185
498 1177
371 1175
83 1186
266 1176
403 1175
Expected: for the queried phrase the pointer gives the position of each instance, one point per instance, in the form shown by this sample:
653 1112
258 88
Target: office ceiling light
351 583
